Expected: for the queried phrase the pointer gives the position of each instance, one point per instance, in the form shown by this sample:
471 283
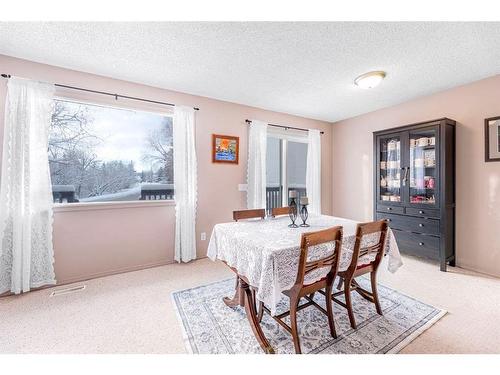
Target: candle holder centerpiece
292 212
304 201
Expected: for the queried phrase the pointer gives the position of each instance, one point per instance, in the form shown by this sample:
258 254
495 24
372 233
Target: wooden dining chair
280 211
303 288
359 266
249 214
243 215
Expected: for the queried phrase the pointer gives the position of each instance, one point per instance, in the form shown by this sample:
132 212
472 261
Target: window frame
89 206
285 136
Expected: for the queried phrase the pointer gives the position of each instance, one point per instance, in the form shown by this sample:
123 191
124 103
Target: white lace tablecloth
267 251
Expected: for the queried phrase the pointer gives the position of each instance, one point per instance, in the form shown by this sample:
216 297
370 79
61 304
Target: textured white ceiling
305 69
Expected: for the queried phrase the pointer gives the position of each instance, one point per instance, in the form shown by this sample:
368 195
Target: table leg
244 296
252 317
238 299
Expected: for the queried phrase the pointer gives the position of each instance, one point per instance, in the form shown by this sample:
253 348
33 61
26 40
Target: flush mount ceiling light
370 80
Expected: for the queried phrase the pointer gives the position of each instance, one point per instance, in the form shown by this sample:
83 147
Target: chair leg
373 277
295 331
348 302
329 310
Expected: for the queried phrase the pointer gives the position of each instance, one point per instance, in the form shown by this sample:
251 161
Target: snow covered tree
159 152
71 145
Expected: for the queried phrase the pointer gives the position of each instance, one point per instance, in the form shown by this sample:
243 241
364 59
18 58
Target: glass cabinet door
423 175
390 169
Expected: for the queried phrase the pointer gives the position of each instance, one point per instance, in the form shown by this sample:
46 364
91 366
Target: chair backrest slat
249 214
279 211
331 235
370 249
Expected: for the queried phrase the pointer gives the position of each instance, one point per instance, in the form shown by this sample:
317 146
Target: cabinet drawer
395 221
421 225
417 244
411 224
390 209
424 212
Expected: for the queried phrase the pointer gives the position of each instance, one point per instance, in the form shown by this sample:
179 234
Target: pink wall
478 183
108 238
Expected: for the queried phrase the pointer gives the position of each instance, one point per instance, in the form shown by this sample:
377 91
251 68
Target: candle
304 201
292 194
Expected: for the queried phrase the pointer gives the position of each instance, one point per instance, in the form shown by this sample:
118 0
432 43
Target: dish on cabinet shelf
422 199
393 145
393 164
393 183
430 158
429 182
390 198
422 142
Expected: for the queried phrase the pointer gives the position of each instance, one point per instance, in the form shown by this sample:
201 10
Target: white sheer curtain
256 173
313 172
185 183
26 252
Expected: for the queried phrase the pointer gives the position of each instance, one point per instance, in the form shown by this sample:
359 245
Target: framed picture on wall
225 149
492 138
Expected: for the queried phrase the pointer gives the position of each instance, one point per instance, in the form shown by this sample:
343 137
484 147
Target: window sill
91 206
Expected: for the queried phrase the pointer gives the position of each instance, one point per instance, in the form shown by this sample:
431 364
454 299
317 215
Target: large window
286 168
105 154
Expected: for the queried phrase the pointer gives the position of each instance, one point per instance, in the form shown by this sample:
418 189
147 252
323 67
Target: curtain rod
116 96
284 127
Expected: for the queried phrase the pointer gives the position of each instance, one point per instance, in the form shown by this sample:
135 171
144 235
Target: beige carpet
133 312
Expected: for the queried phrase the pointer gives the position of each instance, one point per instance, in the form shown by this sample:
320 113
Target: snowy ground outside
132 194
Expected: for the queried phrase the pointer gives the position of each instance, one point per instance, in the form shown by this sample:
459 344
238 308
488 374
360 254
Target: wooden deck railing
63 194
151 192
274 196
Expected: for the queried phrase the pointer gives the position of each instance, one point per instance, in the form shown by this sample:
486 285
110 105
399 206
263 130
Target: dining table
264 255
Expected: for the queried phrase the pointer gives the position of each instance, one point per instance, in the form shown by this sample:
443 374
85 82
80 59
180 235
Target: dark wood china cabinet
414 177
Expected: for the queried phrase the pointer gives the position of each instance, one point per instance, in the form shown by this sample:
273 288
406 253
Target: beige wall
104 239
478 183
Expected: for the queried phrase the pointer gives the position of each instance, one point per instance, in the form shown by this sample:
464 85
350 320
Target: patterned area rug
211 327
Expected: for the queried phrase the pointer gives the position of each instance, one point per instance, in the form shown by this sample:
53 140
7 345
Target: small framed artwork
225 149
492 138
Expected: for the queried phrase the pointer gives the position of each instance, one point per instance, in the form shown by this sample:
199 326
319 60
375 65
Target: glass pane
423 167
296 168
273 173
390 169
104 154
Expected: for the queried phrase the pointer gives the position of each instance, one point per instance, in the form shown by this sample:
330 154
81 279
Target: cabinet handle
421 212
421 244
420 225
405 175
